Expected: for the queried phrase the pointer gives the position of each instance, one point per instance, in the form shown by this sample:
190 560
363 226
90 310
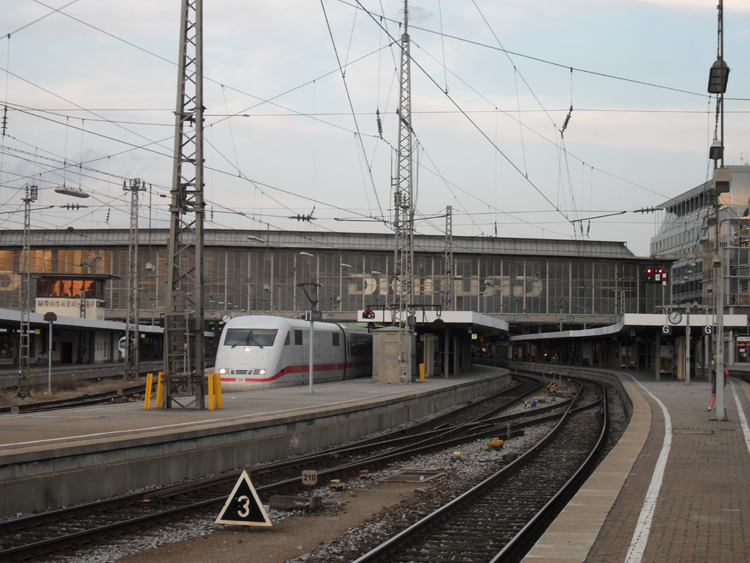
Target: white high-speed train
259 352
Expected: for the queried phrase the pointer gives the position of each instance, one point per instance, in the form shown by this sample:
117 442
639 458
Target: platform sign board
708 329
666 330
243 507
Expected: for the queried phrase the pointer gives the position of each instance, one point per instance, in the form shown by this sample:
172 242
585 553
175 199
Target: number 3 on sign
245 503
310 478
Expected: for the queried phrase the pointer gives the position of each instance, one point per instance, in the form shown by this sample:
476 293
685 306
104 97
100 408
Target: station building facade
688 235
533 284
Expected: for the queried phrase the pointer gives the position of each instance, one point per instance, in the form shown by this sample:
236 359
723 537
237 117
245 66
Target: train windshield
250 337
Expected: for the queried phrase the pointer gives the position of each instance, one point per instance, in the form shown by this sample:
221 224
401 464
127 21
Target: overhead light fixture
718 77
716 151
71 191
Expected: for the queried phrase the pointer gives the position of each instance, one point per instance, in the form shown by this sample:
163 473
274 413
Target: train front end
249 352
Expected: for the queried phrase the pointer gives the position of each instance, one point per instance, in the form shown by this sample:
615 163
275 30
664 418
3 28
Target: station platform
62 457
673 489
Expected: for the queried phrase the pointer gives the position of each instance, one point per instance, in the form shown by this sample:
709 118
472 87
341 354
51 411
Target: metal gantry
404 209
30 196
132 355
448 260
184 363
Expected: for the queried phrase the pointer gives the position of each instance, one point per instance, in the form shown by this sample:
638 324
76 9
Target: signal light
368 314
652 274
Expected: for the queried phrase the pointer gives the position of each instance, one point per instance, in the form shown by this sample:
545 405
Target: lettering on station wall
71 302
501 286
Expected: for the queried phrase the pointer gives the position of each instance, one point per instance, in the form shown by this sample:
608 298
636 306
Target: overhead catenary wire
118 38
314 112
553 141
41 18
474 124
169 156
351 104
358 5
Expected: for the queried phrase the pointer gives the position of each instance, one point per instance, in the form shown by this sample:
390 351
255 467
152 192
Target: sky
292 90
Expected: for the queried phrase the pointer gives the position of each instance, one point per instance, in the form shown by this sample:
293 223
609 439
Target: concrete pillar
636 354
446 357
656 356
697 355
680 342
429 355
456 352
706 356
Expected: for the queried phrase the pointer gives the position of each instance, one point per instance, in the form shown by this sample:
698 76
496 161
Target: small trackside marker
243 507
495 444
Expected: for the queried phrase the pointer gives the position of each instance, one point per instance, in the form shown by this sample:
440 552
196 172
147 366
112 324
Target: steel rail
529 528
82 400
452 506
101 506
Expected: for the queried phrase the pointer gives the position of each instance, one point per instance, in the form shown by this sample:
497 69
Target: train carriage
260 352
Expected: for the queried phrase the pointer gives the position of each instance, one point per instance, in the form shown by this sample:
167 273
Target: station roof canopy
12 316
480 324
634 321
59 276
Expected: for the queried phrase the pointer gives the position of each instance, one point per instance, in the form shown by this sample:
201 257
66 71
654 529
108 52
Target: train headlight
262 372
247 348
222 371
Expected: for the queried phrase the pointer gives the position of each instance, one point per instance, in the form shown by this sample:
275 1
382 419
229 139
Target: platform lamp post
49 317
687 343
312 316
717 84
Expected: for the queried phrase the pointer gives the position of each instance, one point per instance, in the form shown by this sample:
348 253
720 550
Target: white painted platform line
741 412
167 426
643 528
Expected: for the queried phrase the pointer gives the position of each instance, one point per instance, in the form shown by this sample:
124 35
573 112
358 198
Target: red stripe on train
299 369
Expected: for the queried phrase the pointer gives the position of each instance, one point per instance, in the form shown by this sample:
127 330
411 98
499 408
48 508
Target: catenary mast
404 211
184 363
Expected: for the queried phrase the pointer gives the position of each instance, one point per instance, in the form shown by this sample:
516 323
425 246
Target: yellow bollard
159 390
210 391
149 384
217 390
421 373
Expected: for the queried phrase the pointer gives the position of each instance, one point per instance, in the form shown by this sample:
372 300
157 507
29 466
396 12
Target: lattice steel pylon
404 209
132 352
448 260
184 363
25 297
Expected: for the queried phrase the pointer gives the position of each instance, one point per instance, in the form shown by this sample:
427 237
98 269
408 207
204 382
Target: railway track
498 519
79 401
24 537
